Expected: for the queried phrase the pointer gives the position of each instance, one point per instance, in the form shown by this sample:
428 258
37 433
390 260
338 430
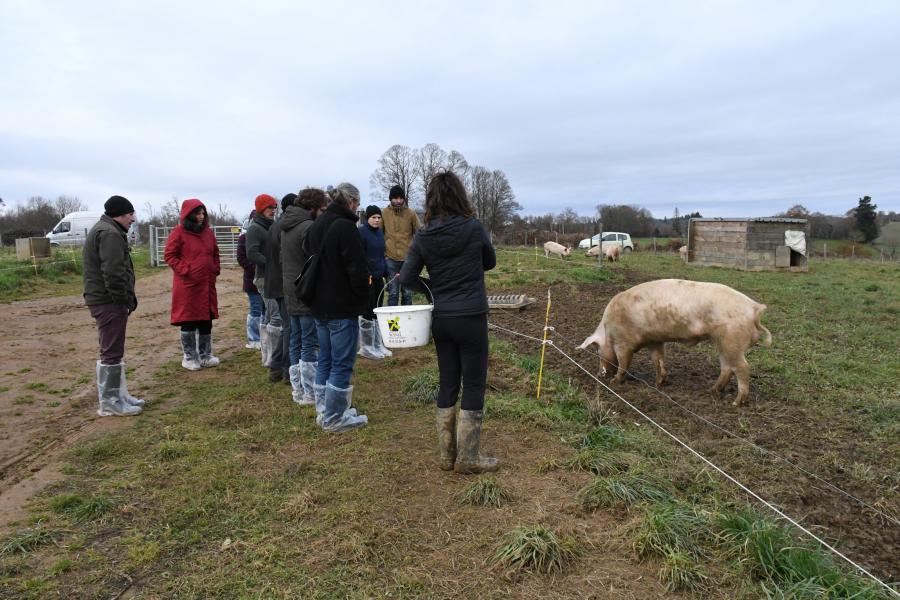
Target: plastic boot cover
468 444
123 392
109 383
274 334
308 381
265 346
446 433
338 416
379 343
320 402
252 332
367 347
204 347
297 386
191 360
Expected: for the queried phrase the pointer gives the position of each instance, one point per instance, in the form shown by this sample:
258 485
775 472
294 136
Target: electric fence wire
718 469
728 432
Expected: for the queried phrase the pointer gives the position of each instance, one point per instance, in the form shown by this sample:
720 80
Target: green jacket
108 271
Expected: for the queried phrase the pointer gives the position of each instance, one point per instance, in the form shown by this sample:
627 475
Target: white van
610 238
72 230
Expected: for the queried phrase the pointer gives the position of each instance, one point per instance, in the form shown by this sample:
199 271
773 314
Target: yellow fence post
543 346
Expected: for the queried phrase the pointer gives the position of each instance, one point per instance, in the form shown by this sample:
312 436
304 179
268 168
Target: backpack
305 283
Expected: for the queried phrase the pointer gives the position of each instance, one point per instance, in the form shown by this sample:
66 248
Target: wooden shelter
757 244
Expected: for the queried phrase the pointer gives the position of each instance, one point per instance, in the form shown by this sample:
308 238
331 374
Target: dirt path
48 395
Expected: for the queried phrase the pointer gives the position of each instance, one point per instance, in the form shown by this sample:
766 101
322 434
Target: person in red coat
193 254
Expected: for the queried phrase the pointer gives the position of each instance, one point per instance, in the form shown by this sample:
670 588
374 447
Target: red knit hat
264 201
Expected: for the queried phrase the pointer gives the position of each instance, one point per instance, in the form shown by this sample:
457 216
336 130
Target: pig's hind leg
657 356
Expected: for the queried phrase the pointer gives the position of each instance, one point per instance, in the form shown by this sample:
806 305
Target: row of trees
37 216
412 169
861 223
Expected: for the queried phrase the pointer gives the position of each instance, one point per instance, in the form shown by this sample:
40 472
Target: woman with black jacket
456 250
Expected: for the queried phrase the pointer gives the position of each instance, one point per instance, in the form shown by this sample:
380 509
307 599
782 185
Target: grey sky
729 108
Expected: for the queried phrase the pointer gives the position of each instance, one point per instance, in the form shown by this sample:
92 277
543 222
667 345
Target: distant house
758 244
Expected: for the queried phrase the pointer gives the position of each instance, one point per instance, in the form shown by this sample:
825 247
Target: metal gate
226 238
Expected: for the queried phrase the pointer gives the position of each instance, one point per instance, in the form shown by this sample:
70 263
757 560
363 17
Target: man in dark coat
273 287
109 294
304 347
257 252
341 292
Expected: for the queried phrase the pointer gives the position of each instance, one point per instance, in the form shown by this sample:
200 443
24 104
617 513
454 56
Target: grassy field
224 488
58 276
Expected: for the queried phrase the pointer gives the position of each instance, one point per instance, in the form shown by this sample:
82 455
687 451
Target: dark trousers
284 360
203 327
462 353
111 320
375 289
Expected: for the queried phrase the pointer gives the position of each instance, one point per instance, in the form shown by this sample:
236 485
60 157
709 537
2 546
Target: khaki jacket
400 225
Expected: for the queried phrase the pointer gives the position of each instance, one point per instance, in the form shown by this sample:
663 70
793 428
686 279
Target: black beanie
288 200
372 210
397 192
117 206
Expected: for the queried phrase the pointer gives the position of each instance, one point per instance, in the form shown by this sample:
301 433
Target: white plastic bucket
405 326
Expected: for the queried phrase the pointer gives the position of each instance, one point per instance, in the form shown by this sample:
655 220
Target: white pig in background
558 249
594 251
674 310
612 253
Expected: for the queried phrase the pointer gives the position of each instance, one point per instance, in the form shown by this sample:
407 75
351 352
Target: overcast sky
729 108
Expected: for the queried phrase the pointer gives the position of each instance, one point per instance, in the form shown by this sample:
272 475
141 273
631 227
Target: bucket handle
381 294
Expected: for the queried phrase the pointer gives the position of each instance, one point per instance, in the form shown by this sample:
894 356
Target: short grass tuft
24 542
682 571
671 528
422 388
625 489
484 491
535 549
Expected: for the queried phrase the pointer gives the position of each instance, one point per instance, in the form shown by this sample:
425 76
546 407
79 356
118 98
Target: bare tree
492 197
397 166
430 159
64 205
222 215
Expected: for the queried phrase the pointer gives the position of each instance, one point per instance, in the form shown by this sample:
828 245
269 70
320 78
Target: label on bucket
404 327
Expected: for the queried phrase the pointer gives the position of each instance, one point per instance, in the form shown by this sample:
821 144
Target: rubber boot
109 386
379 343
338 414
123 392
367 340
252 333
468 444
204 348
446 432
307 382
191 360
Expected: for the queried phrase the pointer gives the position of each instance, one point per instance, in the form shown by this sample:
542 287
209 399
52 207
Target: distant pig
554 248
673 310
683 253
594 251
612 253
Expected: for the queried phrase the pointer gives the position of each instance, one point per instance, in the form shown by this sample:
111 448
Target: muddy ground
48 394
768 420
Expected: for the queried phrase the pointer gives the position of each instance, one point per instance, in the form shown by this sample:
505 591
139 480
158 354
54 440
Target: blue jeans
304 339
338 339
256 311
393 267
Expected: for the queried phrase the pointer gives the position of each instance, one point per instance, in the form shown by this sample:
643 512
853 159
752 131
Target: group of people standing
314 346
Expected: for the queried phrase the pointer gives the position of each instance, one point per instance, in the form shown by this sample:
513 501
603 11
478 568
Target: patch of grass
170 450
105 449
37 386
484 491
25 541
602 462
671 528
622 490
422 388
681 571
534 549
63 565
81 509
